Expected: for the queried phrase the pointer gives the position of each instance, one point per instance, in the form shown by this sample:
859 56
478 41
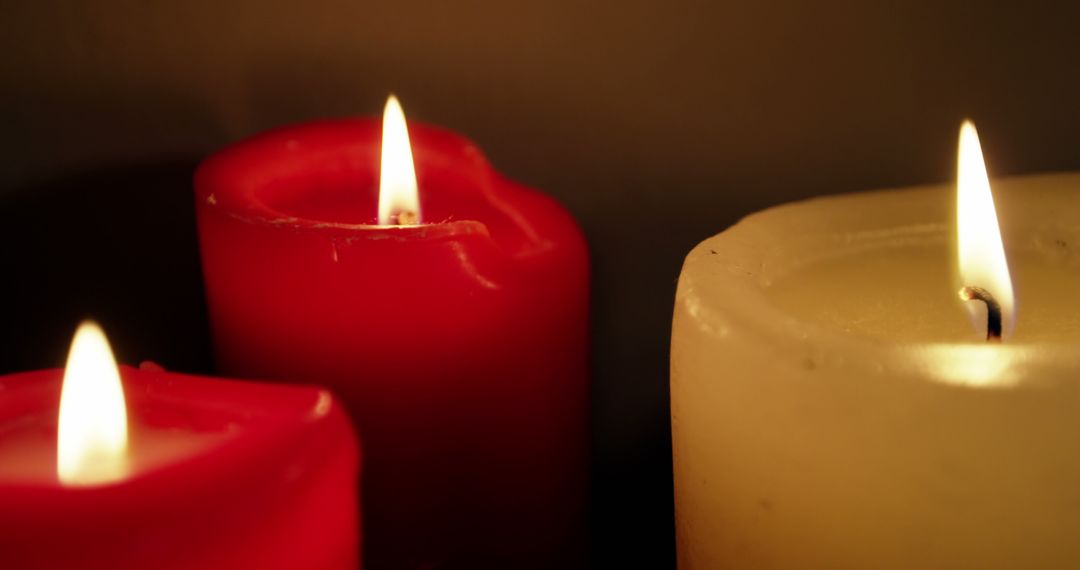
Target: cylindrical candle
833 407
458 344
219 475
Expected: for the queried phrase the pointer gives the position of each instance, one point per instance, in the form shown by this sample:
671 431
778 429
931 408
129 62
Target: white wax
834 407
908 294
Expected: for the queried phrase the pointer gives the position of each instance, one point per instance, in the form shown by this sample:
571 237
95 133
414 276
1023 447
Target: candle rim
761 317
262 437
221 189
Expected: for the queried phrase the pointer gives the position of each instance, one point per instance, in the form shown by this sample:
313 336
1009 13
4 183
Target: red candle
201 473
457 337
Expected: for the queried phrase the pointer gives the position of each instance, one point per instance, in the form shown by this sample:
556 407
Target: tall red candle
219 475
458 344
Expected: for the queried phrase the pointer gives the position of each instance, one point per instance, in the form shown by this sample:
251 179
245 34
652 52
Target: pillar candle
458 341
833 406
215 474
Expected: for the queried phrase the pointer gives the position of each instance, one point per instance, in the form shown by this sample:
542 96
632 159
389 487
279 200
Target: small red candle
190 473
454 329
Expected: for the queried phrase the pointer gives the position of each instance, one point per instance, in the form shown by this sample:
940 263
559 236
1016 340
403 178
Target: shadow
115 244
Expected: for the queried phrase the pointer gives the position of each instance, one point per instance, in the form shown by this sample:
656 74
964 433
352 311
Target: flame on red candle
399 202
92 435
980 249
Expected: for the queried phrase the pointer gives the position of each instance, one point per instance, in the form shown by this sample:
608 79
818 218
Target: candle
454 328
833 405
188 473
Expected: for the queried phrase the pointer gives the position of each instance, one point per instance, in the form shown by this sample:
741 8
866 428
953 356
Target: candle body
223 475
833 407
459 345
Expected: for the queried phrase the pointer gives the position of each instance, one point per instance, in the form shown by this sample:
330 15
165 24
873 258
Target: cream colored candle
833 407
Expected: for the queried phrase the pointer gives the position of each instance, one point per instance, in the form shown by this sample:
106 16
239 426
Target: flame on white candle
92 436
399 202
981 253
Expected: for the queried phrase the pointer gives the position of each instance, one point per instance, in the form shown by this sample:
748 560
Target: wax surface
908 294
459 345
28 447
833 406
222 475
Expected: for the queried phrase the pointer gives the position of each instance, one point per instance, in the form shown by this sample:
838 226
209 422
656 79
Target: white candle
833 406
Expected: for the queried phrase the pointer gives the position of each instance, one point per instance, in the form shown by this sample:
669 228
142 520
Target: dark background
657 123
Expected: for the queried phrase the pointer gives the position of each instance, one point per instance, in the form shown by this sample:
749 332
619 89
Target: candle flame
981 253
92 436
399 202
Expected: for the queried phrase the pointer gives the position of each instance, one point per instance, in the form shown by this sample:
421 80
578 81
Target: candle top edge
724 278
230 423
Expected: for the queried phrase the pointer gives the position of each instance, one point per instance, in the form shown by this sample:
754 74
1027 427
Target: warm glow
974 365
399 203
981 253
92 438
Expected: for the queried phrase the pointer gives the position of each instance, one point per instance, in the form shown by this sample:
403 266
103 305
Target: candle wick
993 310
407 218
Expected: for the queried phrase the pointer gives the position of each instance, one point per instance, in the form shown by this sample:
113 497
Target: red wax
223 475
458 346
